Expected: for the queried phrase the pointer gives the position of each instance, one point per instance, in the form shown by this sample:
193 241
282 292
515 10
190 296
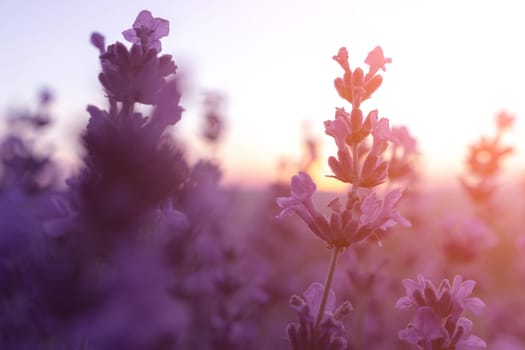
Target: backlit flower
354 86
485 157
363 216
376 60
504 120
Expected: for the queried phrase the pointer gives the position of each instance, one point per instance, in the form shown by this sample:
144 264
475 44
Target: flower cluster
357 163
438 323
329 334
138 74
364 214
355 86
134 252
116 168
147 31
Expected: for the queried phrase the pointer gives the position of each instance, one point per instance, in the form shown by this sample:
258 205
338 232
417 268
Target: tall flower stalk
362 144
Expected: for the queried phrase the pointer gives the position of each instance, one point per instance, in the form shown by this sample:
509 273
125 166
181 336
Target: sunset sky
455 65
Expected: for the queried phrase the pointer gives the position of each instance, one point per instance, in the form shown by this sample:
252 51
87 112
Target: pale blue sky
455 64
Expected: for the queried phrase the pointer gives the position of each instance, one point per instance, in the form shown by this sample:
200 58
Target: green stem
327 285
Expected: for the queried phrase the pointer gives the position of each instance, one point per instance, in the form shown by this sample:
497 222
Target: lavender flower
330 334
359 163
147 31
362 217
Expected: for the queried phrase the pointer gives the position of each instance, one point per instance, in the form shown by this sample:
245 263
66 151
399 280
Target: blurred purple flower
466 237
45 97
167 109
136 75
437 323
445 299
427 332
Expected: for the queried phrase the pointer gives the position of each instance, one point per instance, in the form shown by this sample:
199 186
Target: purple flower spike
147 31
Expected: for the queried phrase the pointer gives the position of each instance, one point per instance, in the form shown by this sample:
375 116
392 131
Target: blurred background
455 65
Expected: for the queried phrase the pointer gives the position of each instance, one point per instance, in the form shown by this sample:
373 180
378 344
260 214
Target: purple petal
131 36
144 18
156 45
410 335
474 304
410 285
472 342
287 202
428 323
286 212
313 296
382 130
162 28
404 302
302 186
